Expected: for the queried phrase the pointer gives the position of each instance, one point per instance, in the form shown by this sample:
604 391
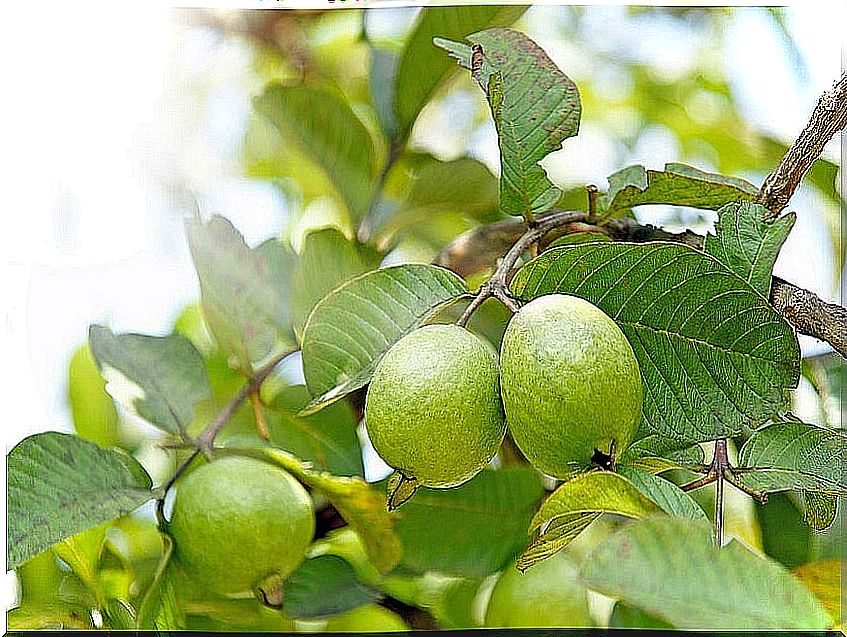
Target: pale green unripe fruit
433 408
367 619
547 595
237 521
570 383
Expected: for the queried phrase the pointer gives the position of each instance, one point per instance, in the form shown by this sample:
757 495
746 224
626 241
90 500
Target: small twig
160 503
593 193
259 415
720 462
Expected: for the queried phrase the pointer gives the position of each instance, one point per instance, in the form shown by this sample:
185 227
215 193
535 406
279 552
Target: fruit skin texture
366 619
570 383
238 520
433 408
547 595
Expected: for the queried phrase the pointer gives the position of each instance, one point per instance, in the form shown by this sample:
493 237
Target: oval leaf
351 329
322 586
666 494
715 357
59 485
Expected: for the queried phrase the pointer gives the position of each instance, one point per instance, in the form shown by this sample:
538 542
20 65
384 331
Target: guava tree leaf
327 259
747 244
575 505
327 438
422 67
785 537
382 74
49 615
624 616
824 579
715 357
59 485
828 375
535 108
666 494
650 564
795 455
321 121
654 454
92 408
351 329
154 597
81 552
322 586
819 509
360 504
240 302
282 264
160 378
472 530
677 184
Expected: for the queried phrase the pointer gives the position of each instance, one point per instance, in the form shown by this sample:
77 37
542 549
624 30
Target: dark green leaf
678 184
59 485
94 415
324 585
351 329
795 455
160 378
715 357
670 568
472 530
422 67
241 305
322 123
282 264
666 494
535 108
785 537
624 616
746 244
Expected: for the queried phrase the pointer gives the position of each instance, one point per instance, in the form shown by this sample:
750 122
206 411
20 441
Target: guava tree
261 518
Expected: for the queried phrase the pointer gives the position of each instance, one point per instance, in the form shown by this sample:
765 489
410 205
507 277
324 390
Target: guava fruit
433 408
570 384
238 520
370 618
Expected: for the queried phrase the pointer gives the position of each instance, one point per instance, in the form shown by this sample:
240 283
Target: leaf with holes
59 485
715 357
351 329
747 244
535 108
795 455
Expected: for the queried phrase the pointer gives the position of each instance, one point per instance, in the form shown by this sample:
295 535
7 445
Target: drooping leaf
240 301
92 408
795 455
819 509
81 552
747 244
282 264
677 184
785 538
670 568
350 330
322 586
360 504
715 357
574 505
160 378
535 108
826 581
422 67
666 494
59 485
472 530
321 121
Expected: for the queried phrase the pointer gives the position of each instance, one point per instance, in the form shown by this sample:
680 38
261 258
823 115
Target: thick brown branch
811 315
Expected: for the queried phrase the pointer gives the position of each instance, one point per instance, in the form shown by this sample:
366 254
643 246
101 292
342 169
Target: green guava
433 408
367 619
237 521
570 384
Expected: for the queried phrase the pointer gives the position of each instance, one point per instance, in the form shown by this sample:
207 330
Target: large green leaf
747 244
671 569
677 184
59 485
535 108
795 455
322 586
321 121
715 357
422 67
350 330
575 505
160 378
472 530
666 494
92 408
241 304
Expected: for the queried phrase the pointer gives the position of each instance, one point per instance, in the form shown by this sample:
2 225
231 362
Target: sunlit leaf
666 494
92 408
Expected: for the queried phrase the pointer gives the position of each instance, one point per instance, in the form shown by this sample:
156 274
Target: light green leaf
746 244
81 552
59 485
670 568
422 67
322 586
666 494
327 130
795 455
350 330
241 305
715 357
826 581
282 264
155 596
160 378
654 454
819 509
92 408
535 108
575 505
678 185
49 615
